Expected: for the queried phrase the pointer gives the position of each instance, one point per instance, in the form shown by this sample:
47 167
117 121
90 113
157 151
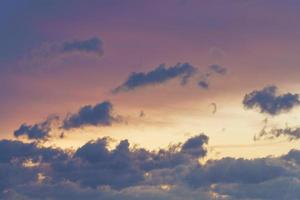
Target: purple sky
156 73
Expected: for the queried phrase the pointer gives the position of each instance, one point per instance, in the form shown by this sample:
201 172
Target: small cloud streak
159 75
92 45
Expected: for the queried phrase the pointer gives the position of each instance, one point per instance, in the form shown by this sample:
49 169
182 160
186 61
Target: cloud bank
96 171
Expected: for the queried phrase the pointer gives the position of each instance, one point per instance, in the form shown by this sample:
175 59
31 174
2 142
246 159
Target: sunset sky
202 89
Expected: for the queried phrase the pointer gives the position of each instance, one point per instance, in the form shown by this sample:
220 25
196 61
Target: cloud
159 75
268 101
162 74
16 150
203 84
275 189
290 133
98 115
192 145
218 69
269 133
231 170
97 171
92 45
49 54
214 69
38 131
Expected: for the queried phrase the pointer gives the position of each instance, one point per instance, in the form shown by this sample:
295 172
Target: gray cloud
48 54
268 101
95 171
98 115
269 133
38 131
92 45
159 75
214 69
290 133
162 74
218 69
192 145
203 84
230 170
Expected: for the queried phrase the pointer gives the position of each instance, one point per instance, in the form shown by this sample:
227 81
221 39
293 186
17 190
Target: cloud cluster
162 74
268 101
159 75
97 171
100 114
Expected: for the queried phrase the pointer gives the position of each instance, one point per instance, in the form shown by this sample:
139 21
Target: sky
131 99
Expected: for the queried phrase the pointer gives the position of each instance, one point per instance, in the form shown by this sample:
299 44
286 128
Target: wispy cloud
92 45
48 53
214 69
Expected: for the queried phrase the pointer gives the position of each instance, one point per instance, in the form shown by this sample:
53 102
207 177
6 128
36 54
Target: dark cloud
163 74
230 170
268 101
193 145
94 164
92 45
38 131
159 75
97 171
203 84
16 150
98 115
290 133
